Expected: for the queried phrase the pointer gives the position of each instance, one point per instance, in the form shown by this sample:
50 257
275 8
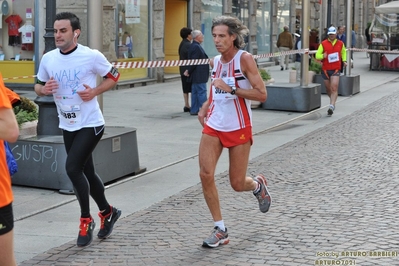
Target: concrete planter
28 129
292 97
41 159
348 85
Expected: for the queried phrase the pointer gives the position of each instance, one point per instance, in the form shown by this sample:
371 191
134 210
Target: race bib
221 94
70 114
334 57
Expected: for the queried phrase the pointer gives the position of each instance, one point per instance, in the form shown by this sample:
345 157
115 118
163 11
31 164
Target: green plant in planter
26 111
264 74
315 66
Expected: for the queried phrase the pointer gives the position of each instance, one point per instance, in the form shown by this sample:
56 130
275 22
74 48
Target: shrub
264 74
315 66
26 111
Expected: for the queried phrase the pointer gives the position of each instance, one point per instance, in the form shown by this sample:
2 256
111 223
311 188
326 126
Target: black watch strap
233 90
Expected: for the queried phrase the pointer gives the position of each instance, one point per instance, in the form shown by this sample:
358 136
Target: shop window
263 27
240 10
210 9
132 36
17 49
283 14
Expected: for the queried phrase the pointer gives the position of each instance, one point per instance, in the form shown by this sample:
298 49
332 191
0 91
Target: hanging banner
132 14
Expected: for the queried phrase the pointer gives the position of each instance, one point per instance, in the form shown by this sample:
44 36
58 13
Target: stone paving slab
335 202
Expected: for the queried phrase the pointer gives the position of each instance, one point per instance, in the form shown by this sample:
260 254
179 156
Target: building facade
148 30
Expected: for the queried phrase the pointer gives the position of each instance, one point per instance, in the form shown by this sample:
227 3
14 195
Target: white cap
331 30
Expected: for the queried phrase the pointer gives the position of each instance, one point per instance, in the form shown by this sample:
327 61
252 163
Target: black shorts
185 85
329 74
6 219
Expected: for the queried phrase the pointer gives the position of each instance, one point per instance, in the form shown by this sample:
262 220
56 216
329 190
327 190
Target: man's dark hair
184 32
75 22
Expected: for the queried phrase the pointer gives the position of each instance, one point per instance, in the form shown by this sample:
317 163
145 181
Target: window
210 9
132 36
263 27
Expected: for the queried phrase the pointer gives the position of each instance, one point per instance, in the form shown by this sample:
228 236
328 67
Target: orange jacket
7 96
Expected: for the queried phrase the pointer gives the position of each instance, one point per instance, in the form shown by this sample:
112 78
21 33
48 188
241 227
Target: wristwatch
233 90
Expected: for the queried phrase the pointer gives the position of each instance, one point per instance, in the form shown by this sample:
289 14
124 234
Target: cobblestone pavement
335 202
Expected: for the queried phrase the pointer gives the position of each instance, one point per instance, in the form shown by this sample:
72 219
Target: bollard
48 116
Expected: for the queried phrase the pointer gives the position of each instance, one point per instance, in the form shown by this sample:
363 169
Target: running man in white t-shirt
69 73
227 121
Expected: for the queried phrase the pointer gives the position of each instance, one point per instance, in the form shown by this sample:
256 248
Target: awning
388 8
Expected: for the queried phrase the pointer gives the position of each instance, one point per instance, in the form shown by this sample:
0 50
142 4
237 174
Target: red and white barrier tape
375 51
20 77
174 63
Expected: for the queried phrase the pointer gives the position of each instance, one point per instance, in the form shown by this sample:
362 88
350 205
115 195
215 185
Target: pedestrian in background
341 34
185 34
368 37
342 37
284 44
227 120
9 131
353 45
80 117
129 45
198 75
332 53
298 56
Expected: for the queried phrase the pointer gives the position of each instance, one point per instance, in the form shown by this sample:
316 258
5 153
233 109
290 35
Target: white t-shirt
71 71
27 33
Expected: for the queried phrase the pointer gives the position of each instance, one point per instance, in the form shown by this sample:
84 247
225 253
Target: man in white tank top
227 120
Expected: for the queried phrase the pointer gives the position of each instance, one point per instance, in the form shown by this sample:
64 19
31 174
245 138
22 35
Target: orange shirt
6 196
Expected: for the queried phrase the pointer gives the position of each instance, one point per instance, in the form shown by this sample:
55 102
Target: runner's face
332 36
223 41
64 35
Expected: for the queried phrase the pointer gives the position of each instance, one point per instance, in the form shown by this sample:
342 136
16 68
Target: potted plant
267 79
26 114
315 66
292 75
265 75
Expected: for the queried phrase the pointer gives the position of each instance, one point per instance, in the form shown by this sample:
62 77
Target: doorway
175 19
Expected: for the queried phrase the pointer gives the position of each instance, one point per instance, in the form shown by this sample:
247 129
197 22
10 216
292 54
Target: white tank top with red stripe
229 112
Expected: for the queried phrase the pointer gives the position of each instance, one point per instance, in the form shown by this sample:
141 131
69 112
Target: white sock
220 224
257 189
332 106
